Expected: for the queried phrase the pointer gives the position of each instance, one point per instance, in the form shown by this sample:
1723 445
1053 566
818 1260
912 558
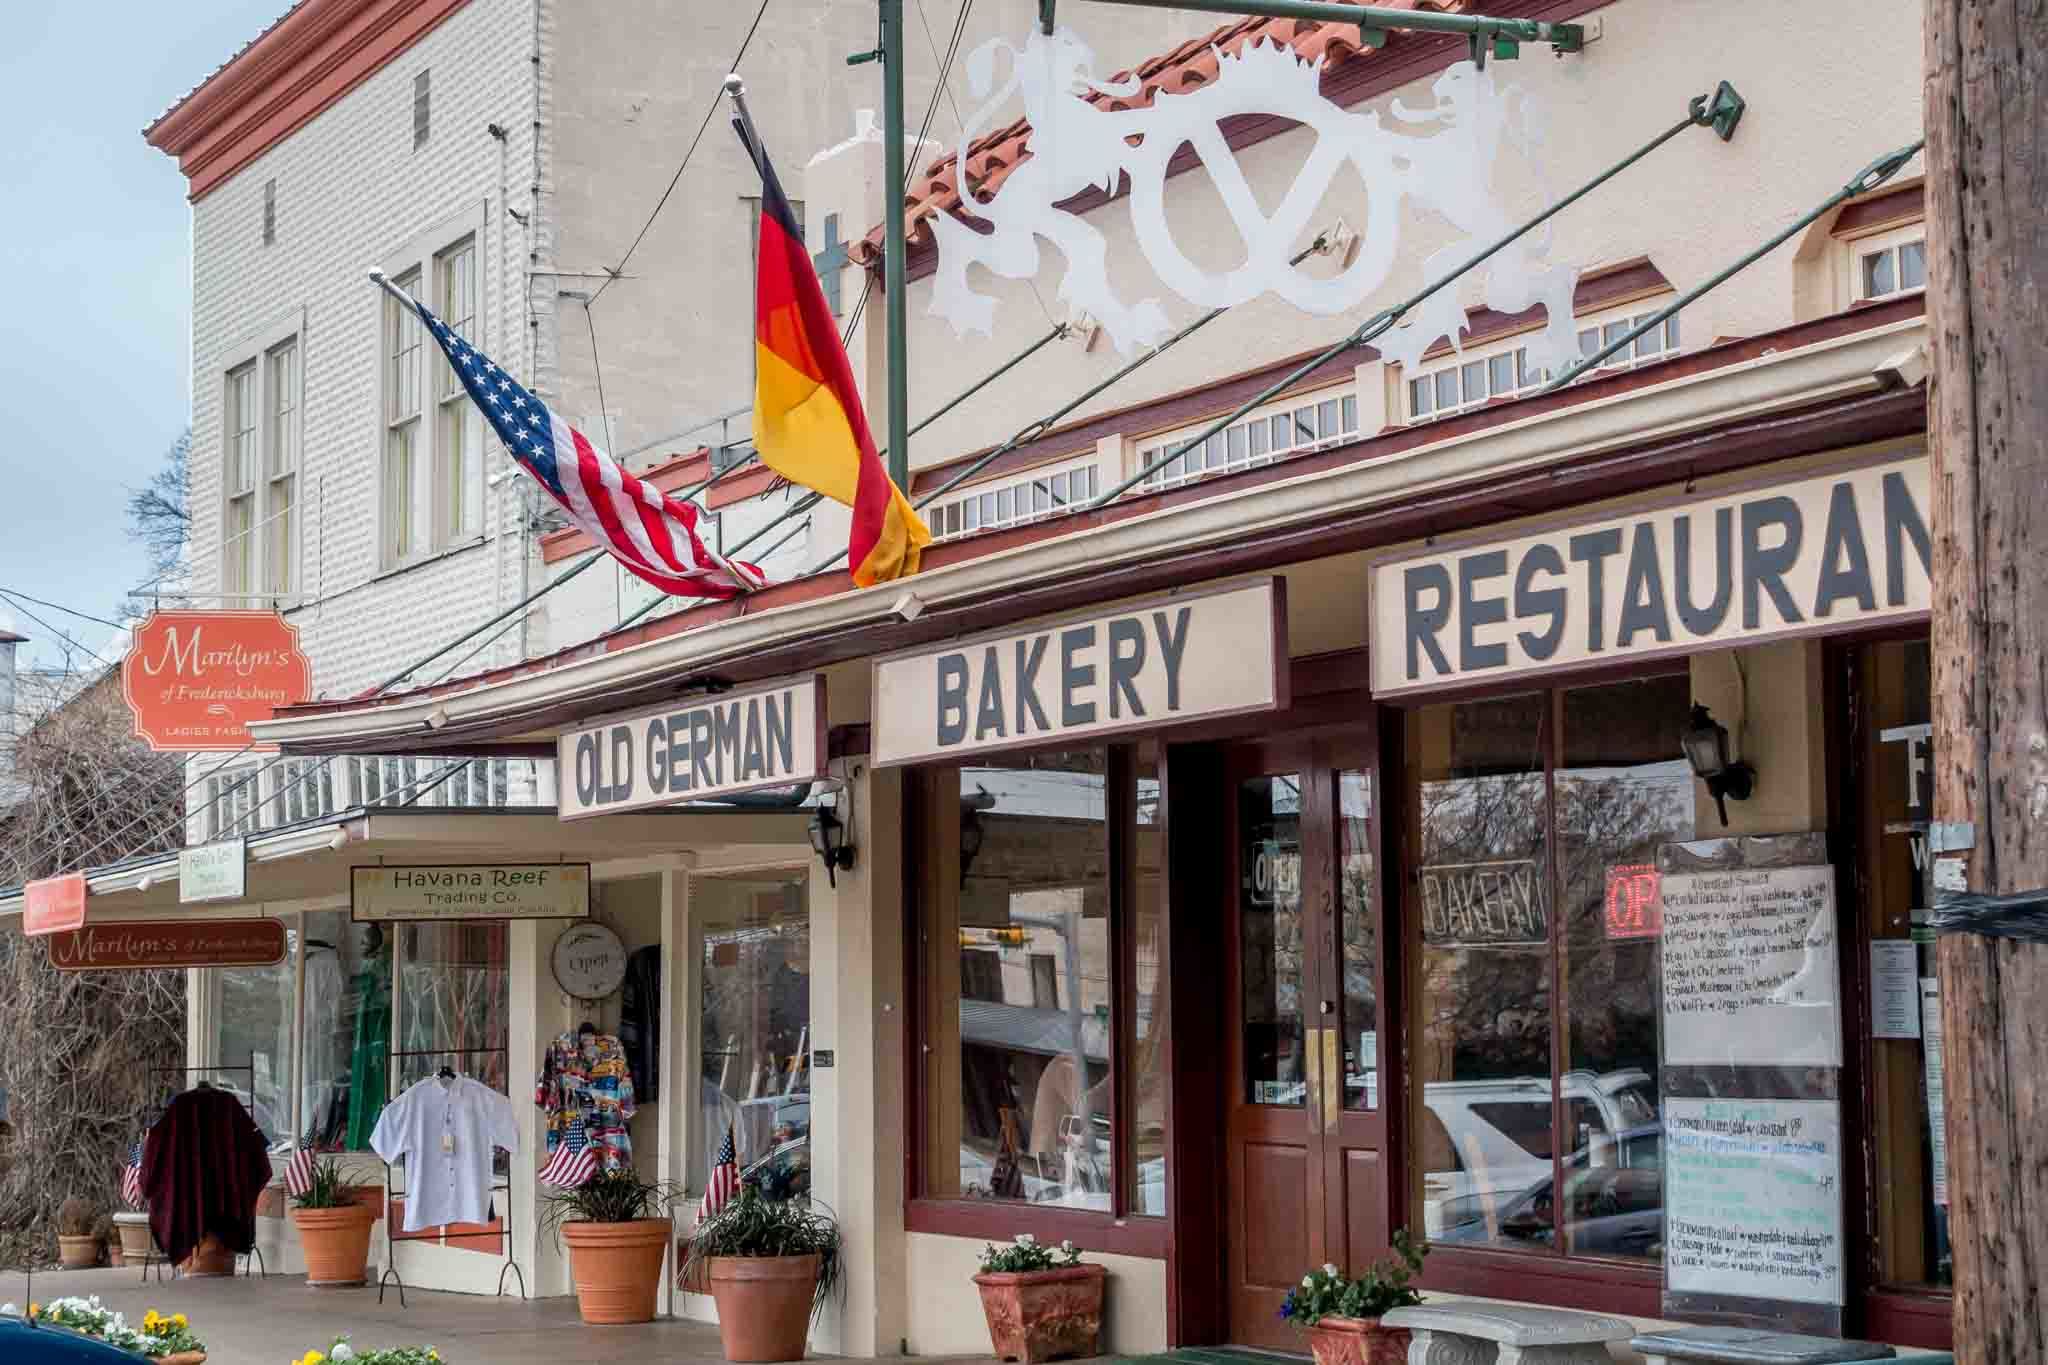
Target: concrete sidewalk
275 1321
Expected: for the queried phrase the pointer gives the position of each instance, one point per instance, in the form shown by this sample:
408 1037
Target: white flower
1329 1270
1025 1239
8 1310
1308 1282
342 1351
1067 1247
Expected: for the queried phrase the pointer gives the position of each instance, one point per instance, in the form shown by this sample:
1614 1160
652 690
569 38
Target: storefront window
1360 939
1270 939
253 1043
453 1003
347 1030
756 1028
1150 1026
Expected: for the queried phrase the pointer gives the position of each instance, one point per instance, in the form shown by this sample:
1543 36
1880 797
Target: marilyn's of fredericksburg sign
762 735
471 891
1155 663
1847 547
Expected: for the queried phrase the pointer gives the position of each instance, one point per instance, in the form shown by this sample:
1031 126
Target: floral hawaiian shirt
587 1091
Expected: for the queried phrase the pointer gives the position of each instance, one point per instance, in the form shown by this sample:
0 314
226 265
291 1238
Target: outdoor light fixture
827 841
1706 749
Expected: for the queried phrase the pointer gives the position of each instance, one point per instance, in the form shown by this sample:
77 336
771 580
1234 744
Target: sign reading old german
1155 663
1820 553
764 735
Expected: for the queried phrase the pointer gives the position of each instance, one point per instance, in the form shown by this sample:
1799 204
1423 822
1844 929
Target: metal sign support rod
1502 36
895 244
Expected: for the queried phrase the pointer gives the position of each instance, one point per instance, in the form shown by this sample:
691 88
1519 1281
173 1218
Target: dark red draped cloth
204 1165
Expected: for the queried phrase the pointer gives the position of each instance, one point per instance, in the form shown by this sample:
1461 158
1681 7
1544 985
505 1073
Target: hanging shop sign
53 905
1634 908
213 872
1823 553
764 735
589 961
151 945
1160 662
195 680
486 891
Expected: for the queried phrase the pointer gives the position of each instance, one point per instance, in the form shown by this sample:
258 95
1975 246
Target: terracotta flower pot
211 1259
617 1267
1357 1341
183 1358
1036 1315
78 1253
336 1243
136 1243
764 1304
115 1256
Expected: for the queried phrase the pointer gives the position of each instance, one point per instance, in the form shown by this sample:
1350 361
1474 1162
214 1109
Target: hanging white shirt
444 1130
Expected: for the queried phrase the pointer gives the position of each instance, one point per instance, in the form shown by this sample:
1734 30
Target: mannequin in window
367 1061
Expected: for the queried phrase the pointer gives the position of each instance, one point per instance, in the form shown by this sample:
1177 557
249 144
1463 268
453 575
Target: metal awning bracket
1721 111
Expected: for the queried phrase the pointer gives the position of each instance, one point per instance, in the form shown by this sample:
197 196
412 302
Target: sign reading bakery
196 679
1848 547
699 749
1194 655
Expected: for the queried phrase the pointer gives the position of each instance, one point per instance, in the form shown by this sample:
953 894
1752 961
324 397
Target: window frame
1120 1229
1454 365
253 354
423 504
1216 456
959 513
1882 242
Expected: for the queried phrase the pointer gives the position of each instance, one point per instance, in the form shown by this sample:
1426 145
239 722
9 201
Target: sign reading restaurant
470 891
1831 550
1215 652
764 735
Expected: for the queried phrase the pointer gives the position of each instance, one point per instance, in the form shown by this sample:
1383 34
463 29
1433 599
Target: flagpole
895 242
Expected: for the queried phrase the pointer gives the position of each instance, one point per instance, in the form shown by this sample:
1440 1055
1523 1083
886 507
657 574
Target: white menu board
1753 1199
1750 968
1937 1098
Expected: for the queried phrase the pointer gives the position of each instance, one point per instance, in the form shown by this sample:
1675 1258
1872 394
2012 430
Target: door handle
1333 1079
1313 1091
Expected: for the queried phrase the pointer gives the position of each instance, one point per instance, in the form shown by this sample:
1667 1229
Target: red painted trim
738 488
302 64
1553 1281
1906 1318
1907 204
678 472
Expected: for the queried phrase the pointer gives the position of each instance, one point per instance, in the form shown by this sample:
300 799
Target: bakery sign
762 735
1160 662
1848 547
151 945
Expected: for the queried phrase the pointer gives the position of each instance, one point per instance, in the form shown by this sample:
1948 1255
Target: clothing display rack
155 1112
504 1220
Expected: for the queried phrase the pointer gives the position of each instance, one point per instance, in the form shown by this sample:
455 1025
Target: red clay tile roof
1192 65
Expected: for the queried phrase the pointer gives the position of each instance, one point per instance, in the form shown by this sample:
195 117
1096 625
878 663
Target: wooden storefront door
1305 1117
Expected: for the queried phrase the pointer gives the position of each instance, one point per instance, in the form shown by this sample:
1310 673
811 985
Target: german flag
808 422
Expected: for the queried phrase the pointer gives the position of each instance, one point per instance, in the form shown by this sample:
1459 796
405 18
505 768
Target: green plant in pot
334 1229
617 1228
770 1265
1342 1314
76 1246
1042 1303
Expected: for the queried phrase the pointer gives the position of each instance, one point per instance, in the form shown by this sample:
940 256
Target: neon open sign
1634 909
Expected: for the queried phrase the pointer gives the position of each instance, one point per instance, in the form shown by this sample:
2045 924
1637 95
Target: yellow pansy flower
35 1309
178 1321
150 1320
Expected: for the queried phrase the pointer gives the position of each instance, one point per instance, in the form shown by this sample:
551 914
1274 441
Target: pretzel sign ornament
1076 145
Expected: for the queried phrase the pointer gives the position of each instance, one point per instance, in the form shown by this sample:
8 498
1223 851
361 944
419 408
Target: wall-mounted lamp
1706 749
828 842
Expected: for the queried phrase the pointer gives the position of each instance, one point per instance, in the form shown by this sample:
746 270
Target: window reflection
1150 1027
756 1028
1270 929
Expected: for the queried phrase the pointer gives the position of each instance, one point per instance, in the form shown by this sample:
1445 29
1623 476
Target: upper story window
1292 426
431 465
260 443
1042 493
1891 263
1481 374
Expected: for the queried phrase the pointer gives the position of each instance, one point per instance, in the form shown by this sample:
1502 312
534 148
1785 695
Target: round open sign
590 961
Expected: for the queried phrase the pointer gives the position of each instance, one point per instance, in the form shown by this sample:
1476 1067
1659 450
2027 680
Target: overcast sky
95 244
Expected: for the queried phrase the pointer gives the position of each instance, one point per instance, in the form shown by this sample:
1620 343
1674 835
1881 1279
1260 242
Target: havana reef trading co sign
500 891
195 680
1844 548
151 945
766 735
1155 663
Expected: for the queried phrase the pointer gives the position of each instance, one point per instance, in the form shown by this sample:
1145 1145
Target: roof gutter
1855 364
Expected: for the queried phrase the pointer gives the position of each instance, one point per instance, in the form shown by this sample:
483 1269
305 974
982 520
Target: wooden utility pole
1987 303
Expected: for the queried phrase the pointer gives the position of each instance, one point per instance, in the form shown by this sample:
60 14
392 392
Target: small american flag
652 534
725 1178
298 1172
131 1176
574 1160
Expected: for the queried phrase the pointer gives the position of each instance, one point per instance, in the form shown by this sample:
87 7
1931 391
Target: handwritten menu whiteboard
1750 968
1753 1199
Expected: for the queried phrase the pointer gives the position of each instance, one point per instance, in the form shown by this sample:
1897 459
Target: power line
676 179
58 606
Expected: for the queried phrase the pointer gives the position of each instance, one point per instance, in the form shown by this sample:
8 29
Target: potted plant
136 1242
771 1264
617 1229
1342 1315
103 1233
76 1247
341 1353
165 1340
1041 1303
334 1230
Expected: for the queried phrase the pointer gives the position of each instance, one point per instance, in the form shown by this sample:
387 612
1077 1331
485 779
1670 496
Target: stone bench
1486 1333
1751 1346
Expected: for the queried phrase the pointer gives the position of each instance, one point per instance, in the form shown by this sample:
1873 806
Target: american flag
574 1160
653 535
725 1178
131 1176
298 1172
